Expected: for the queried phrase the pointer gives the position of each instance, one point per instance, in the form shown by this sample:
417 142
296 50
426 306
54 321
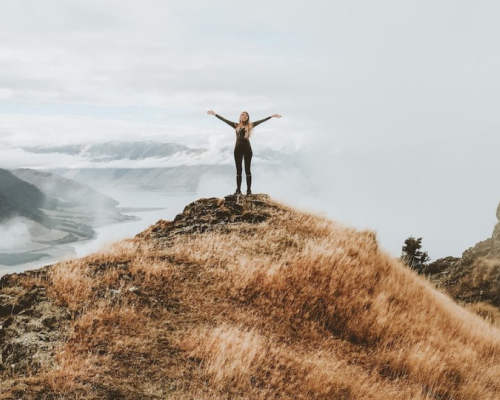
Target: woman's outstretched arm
230 123
260 121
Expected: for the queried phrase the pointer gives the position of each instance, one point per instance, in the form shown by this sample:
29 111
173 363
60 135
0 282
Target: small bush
413 256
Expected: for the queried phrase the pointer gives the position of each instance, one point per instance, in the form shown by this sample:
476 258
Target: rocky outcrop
495 246
31 325
474 277
214 214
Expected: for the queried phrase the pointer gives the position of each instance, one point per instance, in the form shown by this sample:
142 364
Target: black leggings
243 152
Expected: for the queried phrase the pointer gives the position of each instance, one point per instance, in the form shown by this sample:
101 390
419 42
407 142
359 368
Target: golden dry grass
297 307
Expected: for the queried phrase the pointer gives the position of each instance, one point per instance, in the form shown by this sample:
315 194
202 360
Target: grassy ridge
292 307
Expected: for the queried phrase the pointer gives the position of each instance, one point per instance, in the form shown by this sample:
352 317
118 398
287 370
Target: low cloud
15 235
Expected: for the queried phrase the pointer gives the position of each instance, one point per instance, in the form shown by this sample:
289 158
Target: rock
214 214
440 265
495 250
481 249
474 276
30 325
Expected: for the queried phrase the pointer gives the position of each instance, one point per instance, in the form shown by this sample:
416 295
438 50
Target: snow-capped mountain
156 166
119 150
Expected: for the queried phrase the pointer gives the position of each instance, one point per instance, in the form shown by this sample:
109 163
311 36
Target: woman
242 149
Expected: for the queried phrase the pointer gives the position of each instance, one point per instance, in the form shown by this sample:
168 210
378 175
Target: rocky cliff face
475 276
495 251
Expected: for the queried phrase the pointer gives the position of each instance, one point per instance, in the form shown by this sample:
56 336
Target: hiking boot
249 192
238 192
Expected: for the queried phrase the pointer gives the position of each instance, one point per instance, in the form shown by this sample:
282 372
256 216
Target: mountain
19 198
118 150
69 192
241 298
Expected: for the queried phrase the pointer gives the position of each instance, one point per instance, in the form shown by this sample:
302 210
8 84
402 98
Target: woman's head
245 124
244 118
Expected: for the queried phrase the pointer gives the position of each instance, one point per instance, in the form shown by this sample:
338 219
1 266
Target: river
147 207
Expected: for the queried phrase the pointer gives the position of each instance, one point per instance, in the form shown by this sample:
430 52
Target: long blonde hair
248 126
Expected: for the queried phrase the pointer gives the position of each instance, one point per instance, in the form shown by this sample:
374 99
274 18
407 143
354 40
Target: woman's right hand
210 112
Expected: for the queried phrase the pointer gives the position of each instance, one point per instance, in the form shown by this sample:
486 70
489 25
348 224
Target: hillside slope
18 197
67 191
241 299
473 278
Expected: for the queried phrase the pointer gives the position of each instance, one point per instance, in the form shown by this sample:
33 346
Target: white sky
396 103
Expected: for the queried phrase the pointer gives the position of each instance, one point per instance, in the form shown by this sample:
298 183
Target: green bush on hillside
413 256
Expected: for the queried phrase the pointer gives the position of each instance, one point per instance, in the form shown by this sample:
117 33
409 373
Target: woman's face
244 117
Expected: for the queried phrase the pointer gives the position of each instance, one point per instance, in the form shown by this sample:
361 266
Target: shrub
413 256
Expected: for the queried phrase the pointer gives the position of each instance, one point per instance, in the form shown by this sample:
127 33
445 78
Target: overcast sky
396 104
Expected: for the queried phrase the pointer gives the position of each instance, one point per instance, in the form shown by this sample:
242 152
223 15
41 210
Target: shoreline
39 257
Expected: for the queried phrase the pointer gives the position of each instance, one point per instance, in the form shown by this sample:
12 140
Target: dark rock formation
495 247
441 265
476 275
214 214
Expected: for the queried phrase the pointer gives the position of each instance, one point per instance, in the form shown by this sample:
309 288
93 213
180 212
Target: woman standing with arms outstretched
242 148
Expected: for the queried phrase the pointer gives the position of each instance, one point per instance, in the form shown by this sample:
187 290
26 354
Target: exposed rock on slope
31 326
243 298
475 276
214 214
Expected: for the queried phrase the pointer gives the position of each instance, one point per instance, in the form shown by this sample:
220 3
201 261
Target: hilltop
241 298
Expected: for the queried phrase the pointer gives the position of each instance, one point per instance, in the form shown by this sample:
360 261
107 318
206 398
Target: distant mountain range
135 151
151 165
119 150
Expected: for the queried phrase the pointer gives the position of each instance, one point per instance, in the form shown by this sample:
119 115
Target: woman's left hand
276 116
